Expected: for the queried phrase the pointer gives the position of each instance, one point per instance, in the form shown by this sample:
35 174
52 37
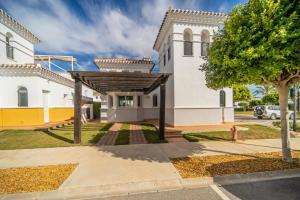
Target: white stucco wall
188 100
59 95
23 49
35 86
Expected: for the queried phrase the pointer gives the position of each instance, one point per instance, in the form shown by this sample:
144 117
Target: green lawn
151 134
277 124
123 136
61 137
254 132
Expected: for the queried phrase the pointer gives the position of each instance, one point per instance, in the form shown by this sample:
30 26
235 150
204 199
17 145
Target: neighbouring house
182 43
31 93
128 106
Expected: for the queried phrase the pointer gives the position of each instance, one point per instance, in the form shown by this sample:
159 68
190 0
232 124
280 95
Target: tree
271 98
255 102
241 93
259 45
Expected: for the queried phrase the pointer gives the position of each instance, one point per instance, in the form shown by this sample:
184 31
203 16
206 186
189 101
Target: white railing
51 65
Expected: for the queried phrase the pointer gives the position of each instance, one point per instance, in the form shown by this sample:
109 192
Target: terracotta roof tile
12 23
124 61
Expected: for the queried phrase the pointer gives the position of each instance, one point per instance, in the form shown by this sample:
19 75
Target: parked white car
269 111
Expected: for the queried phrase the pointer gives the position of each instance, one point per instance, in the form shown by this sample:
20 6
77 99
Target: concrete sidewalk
119 168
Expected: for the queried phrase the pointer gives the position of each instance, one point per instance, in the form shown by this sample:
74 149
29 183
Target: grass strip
151 134
123 136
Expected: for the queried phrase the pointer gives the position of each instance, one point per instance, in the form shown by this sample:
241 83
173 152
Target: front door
46 105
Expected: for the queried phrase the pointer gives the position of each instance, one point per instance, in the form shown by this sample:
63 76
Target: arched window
9 47
154 100
169 47
204 42
164 55
22 97
222 98
188 42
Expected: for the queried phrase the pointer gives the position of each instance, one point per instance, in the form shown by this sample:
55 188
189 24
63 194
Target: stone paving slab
111 136
136 134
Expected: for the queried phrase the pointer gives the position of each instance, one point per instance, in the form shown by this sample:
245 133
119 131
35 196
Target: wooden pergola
104 82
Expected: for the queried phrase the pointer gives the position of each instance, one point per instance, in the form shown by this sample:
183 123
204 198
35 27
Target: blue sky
88 29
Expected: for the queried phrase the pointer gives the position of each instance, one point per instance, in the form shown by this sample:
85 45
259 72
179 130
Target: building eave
13 24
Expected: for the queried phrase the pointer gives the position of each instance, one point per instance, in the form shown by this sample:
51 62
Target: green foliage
241 93
96 109
271 98
254 103
259 45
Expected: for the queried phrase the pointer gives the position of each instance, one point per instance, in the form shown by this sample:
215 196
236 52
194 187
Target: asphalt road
282 189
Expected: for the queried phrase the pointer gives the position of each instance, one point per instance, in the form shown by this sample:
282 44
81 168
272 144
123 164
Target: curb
125 189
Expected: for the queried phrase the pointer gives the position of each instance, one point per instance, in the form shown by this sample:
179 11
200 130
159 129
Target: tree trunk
284 118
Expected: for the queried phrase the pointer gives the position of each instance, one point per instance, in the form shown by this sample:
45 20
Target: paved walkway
124 168
110 137
136 134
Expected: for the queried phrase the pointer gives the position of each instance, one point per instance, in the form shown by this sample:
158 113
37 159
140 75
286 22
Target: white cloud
106 31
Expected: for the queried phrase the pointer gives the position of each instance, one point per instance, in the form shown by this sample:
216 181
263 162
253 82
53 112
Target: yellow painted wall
60 114
21 117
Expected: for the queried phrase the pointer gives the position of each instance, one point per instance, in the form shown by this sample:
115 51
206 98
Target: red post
234 133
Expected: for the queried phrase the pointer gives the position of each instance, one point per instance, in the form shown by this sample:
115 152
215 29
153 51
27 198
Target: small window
205 41
188 42
139 101
110 101
125 101
222 98
22 97
9 47
169 47
164 59
154 100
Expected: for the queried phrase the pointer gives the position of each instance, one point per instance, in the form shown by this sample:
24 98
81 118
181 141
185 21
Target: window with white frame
9 47
125 101
222 98
22 97
164 55
205 40
154 100
169 47
139 101
188 42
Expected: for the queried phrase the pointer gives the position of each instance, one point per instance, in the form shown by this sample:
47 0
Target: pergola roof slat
104 82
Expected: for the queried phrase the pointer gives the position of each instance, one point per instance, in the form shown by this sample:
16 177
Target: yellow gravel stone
218 165
34 179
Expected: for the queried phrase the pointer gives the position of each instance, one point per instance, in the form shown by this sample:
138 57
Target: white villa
32 94
182 43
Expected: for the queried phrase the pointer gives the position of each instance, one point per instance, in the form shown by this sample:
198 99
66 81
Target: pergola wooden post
77 111
162 110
